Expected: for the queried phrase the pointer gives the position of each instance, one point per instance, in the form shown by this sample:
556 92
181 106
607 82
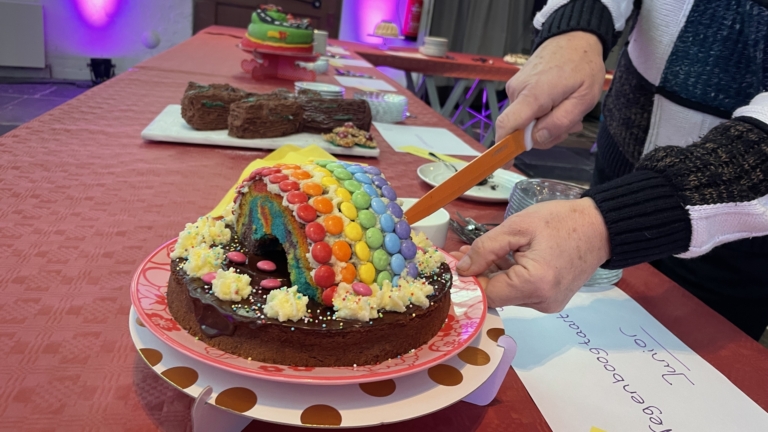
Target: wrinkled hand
556 245
559 85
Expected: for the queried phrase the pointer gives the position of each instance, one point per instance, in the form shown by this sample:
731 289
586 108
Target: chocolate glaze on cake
265 117
322 115
240 328
206 107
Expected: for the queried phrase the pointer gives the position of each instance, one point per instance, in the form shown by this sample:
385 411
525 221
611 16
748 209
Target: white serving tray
168 126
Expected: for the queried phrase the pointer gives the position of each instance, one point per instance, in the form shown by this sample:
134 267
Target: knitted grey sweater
685 135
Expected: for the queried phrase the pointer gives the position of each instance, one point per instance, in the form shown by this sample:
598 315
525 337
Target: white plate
435 173
321 87
169 126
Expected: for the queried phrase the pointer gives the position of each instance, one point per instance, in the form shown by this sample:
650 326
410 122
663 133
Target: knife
472 173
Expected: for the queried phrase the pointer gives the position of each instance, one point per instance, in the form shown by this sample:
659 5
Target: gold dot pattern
321 415
181 376
474 356
445 375
379 388
495 333
152 356
139 323
238 399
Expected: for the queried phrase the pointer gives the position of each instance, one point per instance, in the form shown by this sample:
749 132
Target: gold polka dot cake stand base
229 400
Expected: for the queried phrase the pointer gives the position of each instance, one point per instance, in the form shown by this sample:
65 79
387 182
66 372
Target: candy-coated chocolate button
324 276
342 174
209 277
334 166
270 283
269 171
371 191
236 257
408 249
329 181
333 224
367 273
395 280
397 263
277 178
361 200
312 188
395 209
362 251
403 230
322 205
266 265
328 296
306 212
355 169
378 206
291 167
353 231
323 171
361 289
315 232
288 186
366 218
380 259
341 250
323 163
348 273
380 182
372 170
387 223
352 186
348 210
321 252
374 238
413 270
383 276
296 197
344 194
391 243
301 175
362 178
389 193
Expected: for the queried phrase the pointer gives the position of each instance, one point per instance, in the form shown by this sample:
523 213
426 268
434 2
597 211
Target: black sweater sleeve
581 15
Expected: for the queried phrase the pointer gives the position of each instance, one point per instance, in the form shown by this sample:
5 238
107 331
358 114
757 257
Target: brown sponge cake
324 115
269 117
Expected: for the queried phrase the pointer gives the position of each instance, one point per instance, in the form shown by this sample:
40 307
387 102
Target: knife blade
471 174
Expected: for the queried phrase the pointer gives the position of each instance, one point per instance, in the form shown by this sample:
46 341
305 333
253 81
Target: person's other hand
559 85
556 245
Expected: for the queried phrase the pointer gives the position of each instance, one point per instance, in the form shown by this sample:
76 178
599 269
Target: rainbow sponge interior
336 222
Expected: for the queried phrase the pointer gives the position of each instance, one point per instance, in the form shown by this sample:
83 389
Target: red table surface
83 200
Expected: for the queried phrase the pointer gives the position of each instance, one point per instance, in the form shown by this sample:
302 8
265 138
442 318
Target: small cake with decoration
272 29
311 265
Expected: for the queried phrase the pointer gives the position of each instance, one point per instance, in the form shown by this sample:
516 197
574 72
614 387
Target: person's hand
556 245
559 85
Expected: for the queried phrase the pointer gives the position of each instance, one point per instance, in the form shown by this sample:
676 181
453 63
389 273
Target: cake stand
467 359
267 63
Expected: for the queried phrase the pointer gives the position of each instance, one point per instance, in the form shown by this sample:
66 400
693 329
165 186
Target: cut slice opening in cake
266 263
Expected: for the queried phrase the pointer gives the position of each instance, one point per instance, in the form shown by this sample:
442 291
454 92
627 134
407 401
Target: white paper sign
347 62
407 54
337 50
605 364
365 83
438 140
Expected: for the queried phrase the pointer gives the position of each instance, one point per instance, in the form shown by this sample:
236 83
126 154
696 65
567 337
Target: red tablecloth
83 200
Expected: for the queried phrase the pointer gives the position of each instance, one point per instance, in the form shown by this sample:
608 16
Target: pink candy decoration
361 289
209 277
271 283
266 265
236 257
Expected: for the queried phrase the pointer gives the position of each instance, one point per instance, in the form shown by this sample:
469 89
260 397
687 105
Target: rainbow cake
311 265
273 30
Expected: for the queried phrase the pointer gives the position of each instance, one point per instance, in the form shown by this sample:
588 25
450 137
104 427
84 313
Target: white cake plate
169 126
227 401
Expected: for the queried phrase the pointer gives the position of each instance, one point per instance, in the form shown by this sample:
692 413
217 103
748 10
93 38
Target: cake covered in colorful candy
273 30
311 265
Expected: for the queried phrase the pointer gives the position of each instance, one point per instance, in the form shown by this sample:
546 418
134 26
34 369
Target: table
83 200
468 69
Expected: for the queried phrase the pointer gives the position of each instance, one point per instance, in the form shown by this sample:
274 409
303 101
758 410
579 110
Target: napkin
287 154
418 151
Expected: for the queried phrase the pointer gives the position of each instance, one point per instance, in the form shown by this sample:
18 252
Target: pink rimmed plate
465 319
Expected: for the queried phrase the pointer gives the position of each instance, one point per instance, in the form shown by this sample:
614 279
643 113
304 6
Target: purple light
360 17
97 13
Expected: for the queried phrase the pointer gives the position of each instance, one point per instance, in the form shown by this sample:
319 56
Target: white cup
320 44
434 226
